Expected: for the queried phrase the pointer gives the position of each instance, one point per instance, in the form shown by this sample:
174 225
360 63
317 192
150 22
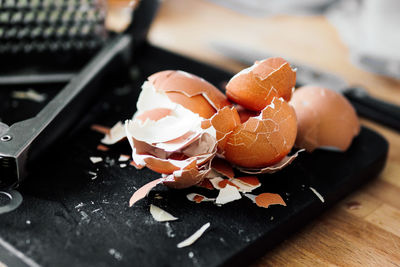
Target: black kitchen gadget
75 213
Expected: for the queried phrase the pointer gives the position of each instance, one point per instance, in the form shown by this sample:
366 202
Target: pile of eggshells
191 133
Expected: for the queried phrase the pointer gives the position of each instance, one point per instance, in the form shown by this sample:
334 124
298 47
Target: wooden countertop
363 229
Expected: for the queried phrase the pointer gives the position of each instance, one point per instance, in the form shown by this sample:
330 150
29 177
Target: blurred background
355 39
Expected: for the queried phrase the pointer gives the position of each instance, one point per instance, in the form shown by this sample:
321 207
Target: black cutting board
69 219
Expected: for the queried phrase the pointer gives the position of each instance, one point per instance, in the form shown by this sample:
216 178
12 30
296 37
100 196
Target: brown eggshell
224 121
190 91
255 87
325 119
263 140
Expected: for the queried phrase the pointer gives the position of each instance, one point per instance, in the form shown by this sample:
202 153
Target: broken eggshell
325 119
255 87
263 140
190 91
170 139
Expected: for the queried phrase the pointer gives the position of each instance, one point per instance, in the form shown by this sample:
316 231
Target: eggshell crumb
100 128
123 157
198 198
102 148
95 160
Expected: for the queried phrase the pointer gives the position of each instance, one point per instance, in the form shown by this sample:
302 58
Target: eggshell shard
190 91
193 238
246 184
161 215
263 140
116 134
255 87
265 200
194 197
325 119
224 121
143 191
317 194
227 194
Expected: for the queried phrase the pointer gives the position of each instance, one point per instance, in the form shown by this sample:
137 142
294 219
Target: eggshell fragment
161 215
246 184
102 148
116 134
224 121
193 238
190 91
255 87
325 119
317 194
265 200
143 191
198 198
227 194
263 140
100 128
217 182
95 160
123 157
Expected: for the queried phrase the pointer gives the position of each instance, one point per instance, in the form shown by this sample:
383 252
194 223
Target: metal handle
375 109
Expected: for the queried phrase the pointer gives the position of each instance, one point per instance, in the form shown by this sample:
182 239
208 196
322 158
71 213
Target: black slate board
68 219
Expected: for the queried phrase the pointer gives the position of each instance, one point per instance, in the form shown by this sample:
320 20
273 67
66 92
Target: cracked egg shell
325 119
190 91
224 121
255 87
265 139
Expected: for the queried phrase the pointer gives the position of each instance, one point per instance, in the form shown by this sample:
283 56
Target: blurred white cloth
371 30
272 7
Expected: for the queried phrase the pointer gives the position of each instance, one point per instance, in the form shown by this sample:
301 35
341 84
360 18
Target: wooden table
363 229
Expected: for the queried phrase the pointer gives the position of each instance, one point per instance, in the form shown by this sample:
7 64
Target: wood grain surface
362 230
